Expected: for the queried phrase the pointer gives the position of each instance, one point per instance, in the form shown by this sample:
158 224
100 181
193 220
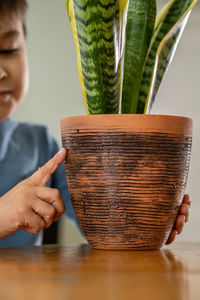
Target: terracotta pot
127 176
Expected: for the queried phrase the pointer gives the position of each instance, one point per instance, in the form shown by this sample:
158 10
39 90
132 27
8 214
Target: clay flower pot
127 176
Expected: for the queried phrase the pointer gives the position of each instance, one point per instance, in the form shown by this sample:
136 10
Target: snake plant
124 50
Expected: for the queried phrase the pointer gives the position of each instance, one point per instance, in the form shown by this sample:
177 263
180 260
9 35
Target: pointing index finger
43 174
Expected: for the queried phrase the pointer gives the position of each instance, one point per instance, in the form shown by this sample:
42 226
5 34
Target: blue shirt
23 149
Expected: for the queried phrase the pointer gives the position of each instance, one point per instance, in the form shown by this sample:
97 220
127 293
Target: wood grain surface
80 273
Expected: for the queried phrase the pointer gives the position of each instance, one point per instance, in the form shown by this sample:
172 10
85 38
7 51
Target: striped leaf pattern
163 60
98 30
139 30
169 27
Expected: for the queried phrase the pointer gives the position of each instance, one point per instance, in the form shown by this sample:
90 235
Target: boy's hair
14 7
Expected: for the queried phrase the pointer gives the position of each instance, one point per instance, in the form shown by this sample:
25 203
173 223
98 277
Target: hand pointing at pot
30 204
33 206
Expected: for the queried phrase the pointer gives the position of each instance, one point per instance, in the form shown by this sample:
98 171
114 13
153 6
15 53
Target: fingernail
61 151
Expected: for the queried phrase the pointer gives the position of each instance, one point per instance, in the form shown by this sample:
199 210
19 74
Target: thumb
43 174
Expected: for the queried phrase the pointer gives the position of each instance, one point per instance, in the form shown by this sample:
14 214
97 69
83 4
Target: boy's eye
9 51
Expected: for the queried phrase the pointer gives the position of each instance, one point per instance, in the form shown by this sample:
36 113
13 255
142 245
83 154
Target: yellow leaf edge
163 42
71 15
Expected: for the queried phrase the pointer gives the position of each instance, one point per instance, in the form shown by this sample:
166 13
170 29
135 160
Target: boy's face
14 77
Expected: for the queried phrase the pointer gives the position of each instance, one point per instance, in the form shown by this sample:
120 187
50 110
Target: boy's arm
30 204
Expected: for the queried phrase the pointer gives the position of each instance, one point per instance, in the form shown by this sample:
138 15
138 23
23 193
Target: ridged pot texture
127 176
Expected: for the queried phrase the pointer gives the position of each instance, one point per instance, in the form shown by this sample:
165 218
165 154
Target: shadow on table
131 275
57 272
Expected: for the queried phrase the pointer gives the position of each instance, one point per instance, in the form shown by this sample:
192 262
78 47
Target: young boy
30 198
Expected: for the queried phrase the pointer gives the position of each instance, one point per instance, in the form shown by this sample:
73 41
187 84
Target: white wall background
55 92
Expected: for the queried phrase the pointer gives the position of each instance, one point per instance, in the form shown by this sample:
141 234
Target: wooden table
58 272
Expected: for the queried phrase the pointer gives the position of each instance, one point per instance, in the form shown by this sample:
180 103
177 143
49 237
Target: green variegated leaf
98 28
139 30
169 27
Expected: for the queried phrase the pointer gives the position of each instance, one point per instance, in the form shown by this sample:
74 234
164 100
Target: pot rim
132 122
